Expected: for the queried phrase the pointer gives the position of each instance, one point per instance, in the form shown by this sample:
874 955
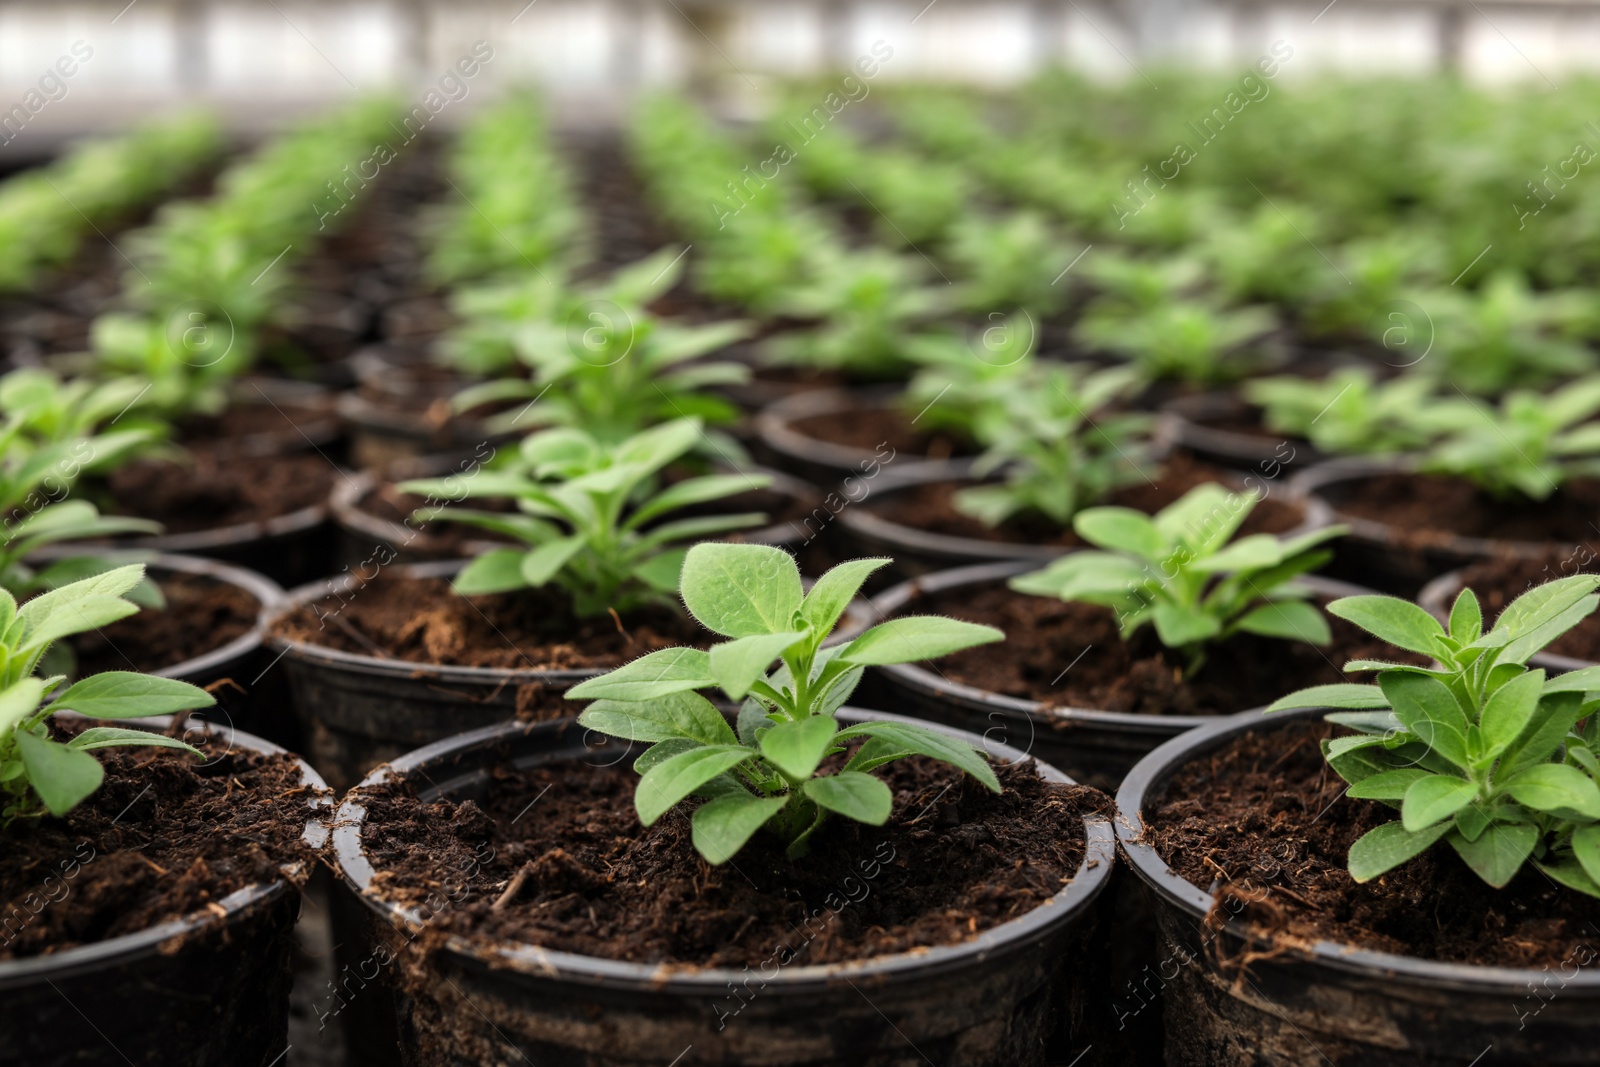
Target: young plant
766 774
1187 340
1050 433
586 516
38 774
1527 449
1002 263
870 302
1351 413
1500 336
1177 571
1479 751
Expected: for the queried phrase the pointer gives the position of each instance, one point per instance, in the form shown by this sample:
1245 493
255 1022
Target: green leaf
741 590
1177 625
496 571
796 747
1552 721
662 751
1572 875
1434 797
1586 850
662 572
1386 847
1430 711
1399 622
1499 851
111 583
721 827
1098 577
674 778
854 795
1338 695
1368 722
75 617
111 736
1246 554
1507 713
925 742
1586 680
128 695
1466 618
1389 785
1556 788
874 753
61 776
832 593
19 701
753 717
739 663
1121 530
912 638
695 491
1545 603
1292 620
541 565
684 714
656 674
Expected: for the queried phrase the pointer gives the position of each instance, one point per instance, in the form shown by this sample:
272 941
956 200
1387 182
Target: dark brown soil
218 489
291 420
421 620
930 506
1265 814
952 861
200 615
1071 655
869 428
1500 581
1423 510
163 837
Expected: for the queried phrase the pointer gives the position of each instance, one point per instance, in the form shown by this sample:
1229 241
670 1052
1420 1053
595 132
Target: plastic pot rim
1154 770
126 947
350 864
774 428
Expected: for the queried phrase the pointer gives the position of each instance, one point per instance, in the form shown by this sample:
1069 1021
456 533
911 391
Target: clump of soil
953 860
1498 582
201 614
868 428
1264 815
215 489
164 836
421 620
1072 655
1423 510
931 506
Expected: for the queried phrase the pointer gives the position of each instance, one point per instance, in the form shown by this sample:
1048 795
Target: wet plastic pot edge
857 614
1153 772
349 861
775 431
1182 423
1437 596
103 954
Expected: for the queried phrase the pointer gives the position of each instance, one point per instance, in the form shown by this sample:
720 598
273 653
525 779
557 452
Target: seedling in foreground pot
581 521
1175 569
1479 751
766 773
39 775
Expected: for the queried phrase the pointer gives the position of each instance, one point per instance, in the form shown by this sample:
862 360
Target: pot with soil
383 666
266 417
1407 528
208 633
833 434
1066 686
1275 956
154 923
894 957
1499 581
913 517
1224 429
400 411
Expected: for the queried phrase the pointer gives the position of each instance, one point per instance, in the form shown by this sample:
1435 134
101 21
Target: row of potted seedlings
675 876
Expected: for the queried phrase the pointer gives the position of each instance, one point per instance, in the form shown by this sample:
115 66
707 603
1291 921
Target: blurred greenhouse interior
264 60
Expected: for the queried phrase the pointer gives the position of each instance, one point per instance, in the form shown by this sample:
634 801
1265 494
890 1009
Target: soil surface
200 615
421 620
163 837
930 506
217 489
952 861
1423 509
1500 581
282 421
1264 816
870 427
1071 655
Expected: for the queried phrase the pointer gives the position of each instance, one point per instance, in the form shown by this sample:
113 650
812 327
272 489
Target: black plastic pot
1186 424
384 434
362 533
1372 554
988 1001
1096 747
1437 597
824 463
358 711
208 990
1329 1003
308 417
